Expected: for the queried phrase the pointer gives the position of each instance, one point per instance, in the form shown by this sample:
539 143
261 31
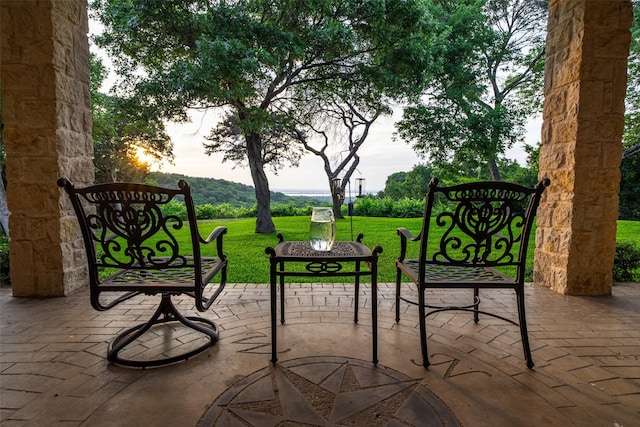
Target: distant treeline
218 198
216 191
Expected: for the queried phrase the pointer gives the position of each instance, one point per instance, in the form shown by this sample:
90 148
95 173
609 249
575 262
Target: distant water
304 193
309 193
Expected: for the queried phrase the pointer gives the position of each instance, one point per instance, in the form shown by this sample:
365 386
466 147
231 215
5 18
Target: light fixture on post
360 187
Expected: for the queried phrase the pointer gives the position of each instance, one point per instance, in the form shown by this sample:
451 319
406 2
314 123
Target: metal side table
344 260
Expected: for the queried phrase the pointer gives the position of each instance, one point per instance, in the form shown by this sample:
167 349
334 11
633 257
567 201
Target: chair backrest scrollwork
479 224
130 225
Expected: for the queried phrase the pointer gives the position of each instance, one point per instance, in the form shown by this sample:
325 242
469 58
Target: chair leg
423 327
398 279
522 318
169 313
476 306
282 295
357 294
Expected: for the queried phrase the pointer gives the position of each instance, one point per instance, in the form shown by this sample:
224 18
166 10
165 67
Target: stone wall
585 85
47 134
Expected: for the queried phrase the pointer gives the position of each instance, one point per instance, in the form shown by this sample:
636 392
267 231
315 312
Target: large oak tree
257 60
490 83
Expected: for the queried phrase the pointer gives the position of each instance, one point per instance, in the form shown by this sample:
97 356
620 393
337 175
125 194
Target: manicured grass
628 231
248 262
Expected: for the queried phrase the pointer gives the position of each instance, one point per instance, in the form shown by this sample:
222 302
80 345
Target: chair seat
437 275
177 279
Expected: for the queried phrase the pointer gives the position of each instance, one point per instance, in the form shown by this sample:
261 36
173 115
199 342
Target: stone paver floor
586 349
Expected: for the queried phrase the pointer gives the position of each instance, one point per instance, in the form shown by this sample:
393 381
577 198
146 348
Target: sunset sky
380 156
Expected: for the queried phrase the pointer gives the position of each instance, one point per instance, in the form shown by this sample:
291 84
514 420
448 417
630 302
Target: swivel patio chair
136 245
473 236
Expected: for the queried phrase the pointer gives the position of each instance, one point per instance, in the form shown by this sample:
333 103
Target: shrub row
626 263
366 206
389 208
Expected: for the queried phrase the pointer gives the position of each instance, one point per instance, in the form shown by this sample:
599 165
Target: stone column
47 134
585 86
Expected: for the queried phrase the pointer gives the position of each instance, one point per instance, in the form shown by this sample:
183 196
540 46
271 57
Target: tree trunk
337 202
493 169
633 150
264 223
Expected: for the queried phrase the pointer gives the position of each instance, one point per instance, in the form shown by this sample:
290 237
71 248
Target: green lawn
248 262
628 231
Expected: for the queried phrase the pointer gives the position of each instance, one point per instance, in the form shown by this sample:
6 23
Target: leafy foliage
630 167
5 278
626 264
387 207
122 129
489 82
632 130
260 60
413 184
630 188
4 209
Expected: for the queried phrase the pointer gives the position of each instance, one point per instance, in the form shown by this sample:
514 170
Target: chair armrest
216 235
404 236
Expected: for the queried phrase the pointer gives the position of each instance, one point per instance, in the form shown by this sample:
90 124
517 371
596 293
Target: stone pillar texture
47 134
583 119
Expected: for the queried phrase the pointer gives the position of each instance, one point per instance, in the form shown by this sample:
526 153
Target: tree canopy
490 81
259 60
630 167
4 209
121 132
414 184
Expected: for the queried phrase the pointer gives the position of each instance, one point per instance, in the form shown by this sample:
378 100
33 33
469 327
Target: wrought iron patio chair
133 248
473 236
